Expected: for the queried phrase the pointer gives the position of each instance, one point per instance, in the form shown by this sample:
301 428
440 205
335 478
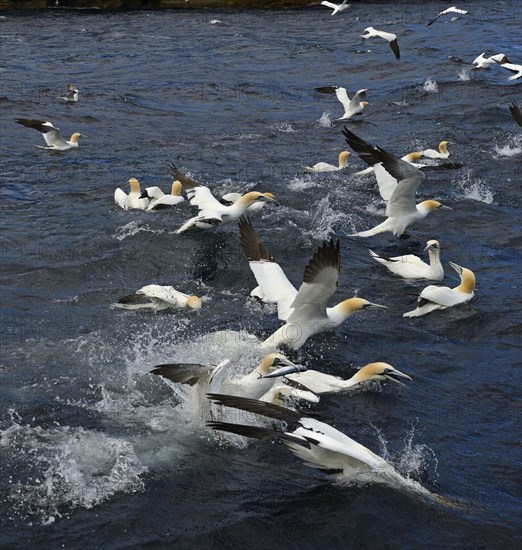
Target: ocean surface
95 452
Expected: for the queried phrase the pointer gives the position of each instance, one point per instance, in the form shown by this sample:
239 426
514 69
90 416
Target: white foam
430 86
510 149
474 188
465 74
325 121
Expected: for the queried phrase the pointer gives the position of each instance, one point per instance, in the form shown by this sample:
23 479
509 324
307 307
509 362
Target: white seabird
517 69
412 267
325 167
351 106
483 62
72 94
134 199
452 9
304 310
158 199
51 134
442 153
211 212
401 210
370 32
516 113
337 8
230 198
158 298
441 297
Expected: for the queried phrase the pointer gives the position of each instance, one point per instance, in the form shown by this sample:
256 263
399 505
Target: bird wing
154 192
386 182
394 45
319 283
51 135
342 96
121 198
435 18
317 382
442 295
208 205
329 5
181 177
516 113
182 373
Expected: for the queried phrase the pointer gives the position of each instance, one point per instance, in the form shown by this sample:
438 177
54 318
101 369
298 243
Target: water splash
323 219
302 183
473 187
284 127
132 228
325 121
430 86
512 148
465 74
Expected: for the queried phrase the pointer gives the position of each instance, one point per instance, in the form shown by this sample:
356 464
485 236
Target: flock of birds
276 380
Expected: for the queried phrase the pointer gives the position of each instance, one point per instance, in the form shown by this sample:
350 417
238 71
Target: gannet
483 62
254 385
158 199
516 113
412 267
337 8
453 9
441 297
325 167
442 153
134 199
211 211
231 198
72 94
370 32
410 157
351 106
400 208
158 298
319 382
517 69
51 135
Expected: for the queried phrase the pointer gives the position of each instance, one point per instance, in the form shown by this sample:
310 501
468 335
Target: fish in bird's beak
395 375
370 305
285 367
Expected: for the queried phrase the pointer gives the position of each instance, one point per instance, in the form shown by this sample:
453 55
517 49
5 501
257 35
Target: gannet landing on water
516 113
370 32
412 267
453 9
400 208
483 62
517 69
134 199
351 106
442 153
211 212
441 297
337 8
231 198
158 199
325 167
158 298
51 135
72 94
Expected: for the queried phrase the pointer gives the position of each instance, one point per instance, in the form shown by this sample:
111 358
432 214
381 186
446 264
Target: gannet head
350 306
343 158
411 157
363 104
431 204
193 302
176 188
75 136
432 246
134 185
368 31
273 361
467 278
381 372
255 196
442 146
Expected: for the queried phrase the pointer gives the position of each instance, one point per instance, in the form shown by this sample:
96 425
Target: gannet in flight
337 8
483 62
412 267
442 153
453 9
441 297
351 106
254 385
211 211
134 199
51 134
231 198
72 94
517 69
370 32
325 167
400 208
158 298
516 113
158 199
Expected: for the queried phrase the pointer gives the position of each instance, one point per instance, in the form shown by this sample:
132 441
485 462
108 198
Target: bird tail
381 228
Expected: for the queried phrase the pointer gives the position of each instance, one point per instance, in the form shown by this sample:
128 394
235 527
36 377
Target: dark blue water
95 452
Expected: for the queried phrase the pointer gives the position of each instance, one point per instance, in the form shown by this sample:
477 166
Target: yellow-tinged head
176 188
379 371
254 196
356 304
467 279
363 103
431 205
193 302
269 196
271 362
343 158
134 185
442 147
74 137
412 157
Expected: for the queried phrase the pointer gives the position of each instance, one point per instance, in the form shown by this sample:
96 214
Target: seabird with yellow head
134 200
159 199
351 106
442 153
51 134
325 167
158 298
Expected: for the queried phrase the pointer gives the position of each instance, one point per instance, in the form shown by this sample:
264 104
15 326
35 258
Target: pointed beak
444 207
456 267
429 247
375 306
395 375
270 199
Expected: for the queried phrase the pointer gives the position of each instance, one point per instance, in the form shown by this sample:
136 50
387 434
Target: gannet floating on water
158 199
72 94
412 267
370 32
337 8
325 167
134 199
400 208
51 134
452 9
517 69
351 106
516 113
483 62
158 298
441 297
211 212
442 153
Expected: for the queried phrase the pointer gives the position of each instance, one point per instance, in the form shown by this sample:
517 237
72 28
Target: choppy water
95 452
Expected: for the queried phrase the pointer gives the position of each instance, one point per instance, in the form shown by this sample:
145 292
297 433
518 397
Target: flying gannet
351 106
158 298
337 8
516 113
72 94
51 134
231 198
399 190
517 69
441 297
211 212
370 32
325 167
442 153
158 199
134 199
412 267
453 9
483 62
